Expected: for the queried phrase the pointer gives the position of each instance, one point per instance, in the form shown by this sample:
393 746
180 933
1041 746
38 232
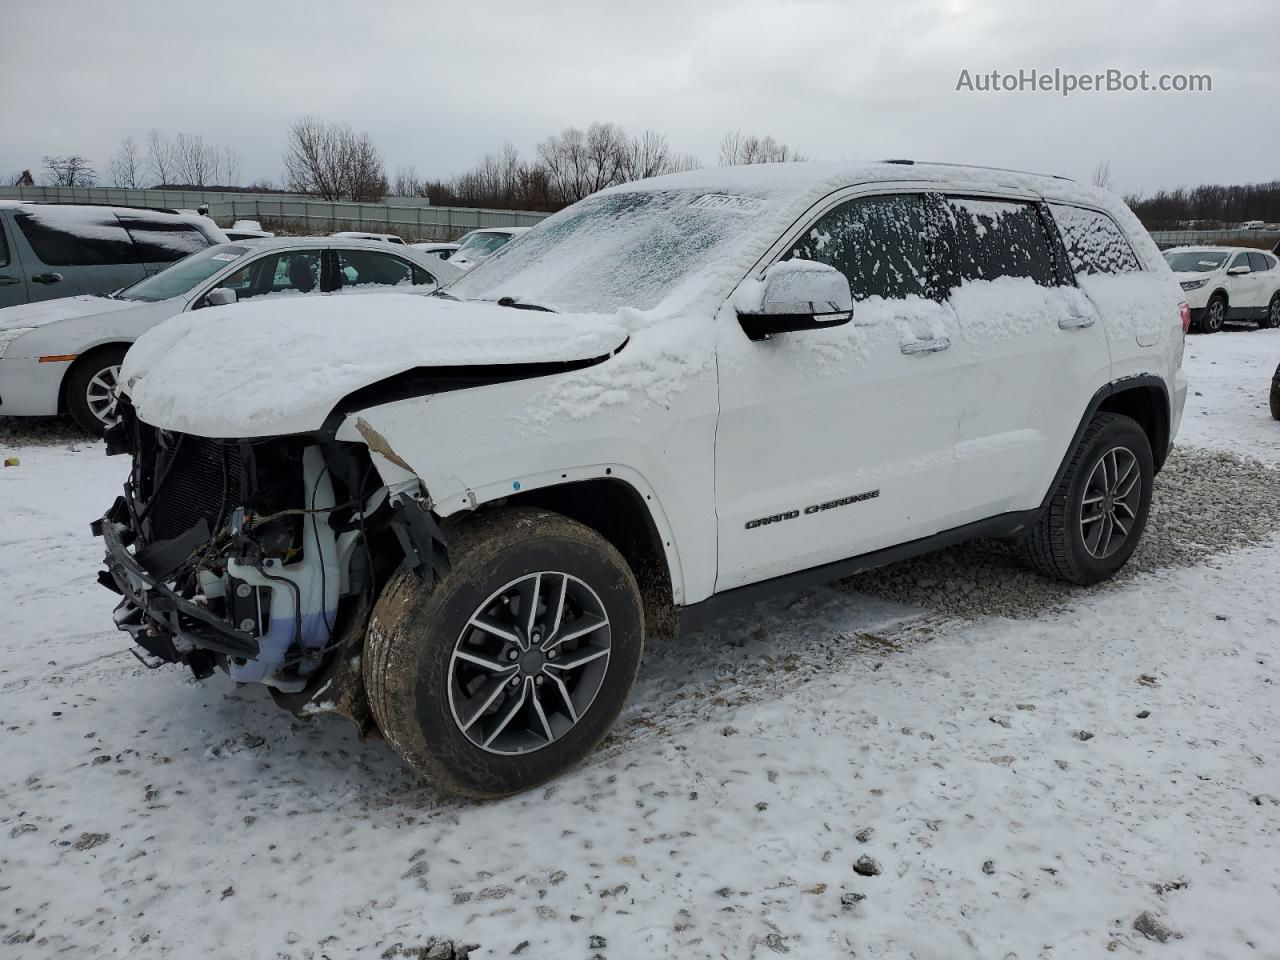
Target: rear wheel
89 388
514 666
1272 320
1275 394
1215 314
1099 509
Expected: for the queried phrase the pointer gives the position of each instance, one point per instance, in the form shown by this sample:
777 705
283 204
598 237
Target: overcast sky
438 84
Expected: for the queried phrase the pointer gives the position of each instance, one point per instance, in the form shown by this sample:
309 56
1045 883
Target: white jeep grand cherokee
456 519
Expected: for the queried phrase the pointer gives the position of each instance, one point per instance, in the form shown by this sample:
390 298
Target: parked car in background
434 248
49 251
479 244
359 235
64 356
247 230
457 520
1228 284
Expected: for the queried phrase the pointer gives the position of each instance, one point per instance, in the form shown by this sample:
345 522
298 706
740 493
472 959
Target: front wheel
1097 513
514 666
1215 314
89 388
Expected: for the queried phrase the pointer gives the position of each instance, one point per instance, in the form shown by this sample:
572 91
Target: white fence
411 217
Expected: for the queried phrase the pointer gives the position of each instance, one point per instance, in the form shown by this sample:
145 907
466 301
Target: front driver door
833 443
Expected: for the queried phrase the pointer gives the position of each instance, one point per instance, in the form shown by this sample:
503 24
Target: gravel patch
1205 503
41 432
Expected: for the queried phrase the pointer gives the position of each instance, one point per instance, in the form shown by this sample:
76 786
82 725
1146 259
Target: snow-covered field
834 774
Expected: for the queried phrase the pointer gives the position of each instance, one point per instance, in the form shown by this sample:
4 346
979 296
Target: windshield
476 246
1195 262
616 250
184 275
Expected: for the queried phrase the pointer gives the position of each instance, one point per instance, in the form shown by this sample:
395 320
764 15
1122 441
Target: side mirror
220 297
798 295
1238 271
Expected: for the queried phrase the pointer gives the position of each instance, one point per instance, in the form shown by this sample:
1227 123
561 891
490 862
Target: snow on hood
280 367
49 311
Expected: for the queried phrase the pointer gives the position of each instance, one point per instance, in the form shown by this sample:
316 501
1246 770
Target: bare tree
71 170
736 148
331 161
406 183
1102 175
229 168
160 158
125 168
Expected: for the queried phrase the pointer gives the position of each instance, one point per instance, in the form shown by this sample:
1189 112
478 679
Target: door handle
936 345
1075 323
47 277
7 281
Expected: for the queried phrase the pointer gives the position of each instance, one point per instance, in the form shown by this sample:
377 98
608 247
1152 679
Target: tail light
1185 312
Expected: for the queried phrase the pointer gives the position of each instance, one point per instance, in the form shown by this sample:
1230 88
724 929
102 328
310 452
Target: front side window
882 244
1095 244
185 275
4 247
990 239
163 241
75 236
1241 260
1258 261
368 268
287 273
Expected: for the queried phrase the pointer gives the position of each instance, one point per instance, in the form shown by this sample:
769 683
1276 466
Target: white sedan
63 356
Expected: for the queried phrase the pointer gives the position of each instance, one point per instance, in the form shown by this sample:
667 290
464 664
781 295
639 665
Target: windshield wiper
520 305
443 295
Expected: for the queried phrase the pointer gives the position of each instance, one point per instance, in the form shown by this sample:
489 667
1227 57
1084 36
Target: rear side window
1258 261
163 241
75 236
1094 243
999 238
882 244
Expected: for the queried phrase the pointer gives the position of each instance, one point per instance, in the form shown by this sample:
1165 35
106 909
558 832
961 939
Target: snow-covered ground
1026 786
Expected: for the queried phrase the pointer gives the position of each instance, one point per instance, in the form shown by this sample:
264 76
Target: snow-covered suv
456 519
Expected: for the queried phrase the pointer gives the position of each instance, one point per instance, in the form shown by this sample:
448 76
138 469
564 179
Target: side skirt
697 615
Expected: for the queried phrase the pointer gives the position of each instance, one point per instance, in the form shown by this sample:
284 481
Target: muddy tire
514 666
1098 511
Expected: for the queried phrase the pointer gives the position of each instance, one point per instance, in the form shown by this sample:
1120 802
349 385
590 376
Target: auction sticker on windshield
727 202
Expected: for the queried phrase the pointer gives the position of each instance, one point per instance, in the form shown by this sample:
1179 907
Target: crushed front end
259 557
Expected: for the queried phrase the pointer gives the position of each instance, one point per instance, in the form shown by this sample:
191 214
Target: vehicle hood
49 311
280 367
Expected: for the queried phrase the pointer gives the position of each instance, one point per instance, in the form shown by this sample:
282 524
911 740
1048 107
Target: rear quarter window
1095 244
163 241
75 236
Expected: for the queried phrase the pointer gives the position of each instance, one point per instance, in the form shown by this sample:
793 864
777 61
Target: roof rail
979 166
95 203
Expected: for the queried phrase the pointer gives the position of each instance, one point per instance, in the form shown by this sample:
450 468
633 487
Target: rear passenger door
13 286
74 250
838 442
371 271
1032 349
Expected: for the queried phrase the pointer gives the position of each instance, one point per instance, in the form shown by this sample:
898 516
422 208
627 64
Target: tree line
1210 205
334 162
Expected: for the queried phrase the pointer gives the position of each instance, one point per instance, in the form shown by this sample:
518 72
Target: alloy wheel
1217 314
529 663
98 394
1273 313
1109 508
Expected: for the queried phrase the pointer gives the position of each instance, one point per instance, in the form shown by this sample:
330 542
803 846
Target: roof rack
97 203
978 166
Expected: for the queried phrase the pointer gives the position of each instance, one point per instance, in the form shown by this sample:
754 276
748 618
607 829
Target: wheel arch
621 513
1143 398
84 357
